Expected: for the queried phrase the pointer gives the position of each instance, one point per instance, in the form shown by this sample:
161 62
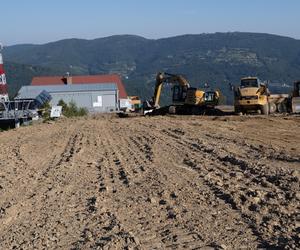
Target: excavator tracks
164 182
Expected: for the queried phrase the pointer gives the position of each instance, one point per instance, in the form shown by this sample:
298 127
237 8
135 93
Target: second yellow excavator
186 100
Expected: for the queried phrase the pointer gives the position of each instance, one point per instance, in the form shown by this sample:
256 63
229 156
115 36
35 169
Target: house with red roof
96 93
89 79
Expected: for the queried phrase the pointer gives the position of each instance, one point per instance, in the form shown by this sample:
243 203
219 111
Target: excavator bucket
296 105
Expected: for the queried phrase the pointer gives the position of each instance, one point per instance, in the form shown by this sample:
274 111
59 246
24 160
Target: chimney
3 84
67 79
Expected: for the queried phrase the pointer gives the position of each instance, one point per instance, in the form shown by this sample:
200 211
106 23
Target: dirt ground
170 182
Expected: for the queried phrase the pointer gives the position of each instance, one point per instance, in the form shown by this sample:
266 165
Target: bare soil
152 183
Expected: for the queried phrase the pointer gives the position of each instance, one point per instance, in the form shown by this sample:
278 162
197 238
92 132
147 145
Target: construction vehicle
295 98
186 100
136 103
254 96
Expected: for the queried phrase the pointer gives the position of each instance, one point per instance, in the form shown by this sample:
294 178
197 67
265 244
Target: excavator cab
296 91
180 87
296 98
250 83
179 94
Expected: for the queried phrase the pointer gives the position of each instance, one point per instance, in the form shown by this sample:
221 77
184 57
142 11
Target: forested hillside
216 59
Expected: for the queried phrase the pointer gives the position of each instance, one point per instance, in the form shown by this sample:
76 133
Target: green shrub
71 109
46 110
63 104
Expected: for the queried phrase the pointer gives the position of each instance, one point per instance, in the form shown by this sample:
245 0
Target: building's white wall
100 101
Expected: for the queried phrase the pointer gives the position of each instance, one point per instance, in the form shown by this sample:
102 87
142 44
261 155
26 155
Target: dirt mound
152 183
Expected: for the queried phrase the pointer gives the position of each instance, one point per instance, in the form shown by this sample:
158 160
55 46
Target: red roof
93 79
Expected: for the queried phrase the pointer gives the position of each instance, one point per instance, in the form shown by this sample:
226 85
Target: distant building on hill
96 93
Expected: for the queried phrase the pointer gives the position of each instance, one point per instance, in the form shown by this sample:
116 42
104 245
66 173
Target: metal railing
15 109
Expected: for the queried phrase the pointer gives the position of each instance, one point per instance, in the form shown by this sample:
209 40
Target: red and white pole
3 84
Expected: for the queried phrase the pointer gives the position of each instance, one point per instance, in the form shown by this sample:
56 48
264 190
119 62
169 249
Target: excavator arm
158 88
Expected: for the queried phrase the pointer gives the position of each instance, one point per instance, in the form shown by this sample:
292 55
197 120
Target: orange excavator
186 100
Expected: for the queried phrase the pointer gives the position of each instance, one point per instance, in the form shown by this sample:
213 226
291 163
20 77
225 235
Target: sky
42 21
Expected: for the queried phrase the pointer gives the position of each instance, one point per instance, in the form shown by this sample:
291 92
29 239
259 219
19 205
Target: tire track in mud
45 183
153 184
177 236
16 175
104 231
256 168
137 150
262 151
125 159
12 166
243 167
15 170
129 154
223 184
259 151
113 162
102 228
59 214
171 234
73 147
139 165
17 155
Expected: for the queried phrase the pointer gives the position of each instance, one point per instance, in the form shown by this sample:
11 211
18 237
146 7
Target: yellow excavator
186 100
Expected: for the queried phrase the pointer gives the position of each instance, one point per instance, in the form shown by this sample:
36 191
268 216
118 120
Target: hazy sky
41 21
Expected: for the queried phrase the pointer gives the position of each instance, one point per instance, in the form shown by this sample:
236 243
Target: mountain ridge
153 39
217 58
